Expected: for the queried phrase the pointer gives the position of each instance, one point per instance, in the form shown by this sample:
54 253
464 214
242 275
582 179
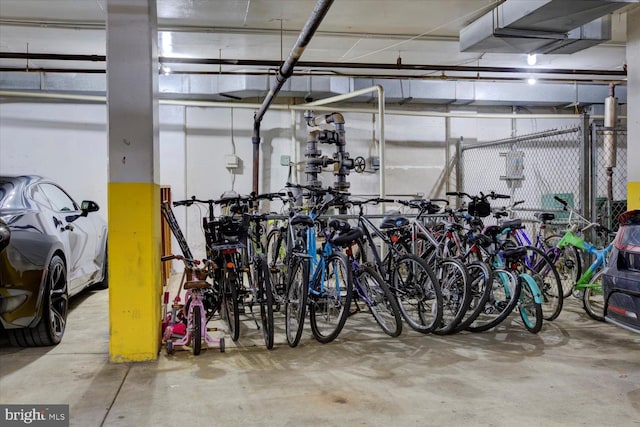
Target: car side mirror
88 206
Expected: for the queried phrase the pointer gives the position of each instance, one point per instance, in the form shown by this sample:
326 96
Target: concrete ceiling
369 32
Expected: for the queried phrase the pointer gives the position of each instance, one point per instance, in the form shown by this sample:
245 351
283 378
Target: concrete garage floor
575 372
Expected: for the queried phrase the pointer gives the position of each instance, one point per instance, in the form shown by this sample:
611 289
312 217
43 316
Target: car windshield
10 195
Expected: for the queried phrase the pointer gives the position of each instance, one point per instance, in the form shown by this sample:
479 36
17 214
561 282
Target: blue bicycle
330 283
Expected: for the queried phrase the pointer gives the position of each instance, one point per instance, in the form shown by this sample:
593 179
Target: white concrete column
134 191
633 108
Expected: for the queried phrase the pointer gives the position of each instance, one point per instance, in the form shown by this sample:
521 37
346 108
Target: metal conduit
284 72
301 107
327 65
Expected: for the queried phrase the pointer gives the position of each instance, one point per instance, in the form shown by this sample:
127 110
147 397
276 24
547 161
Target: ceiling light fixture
165 70
532 59
531 81
166 43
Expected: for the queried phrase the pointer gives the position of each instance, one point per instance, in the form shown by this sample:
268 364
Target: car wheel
50 329
104 284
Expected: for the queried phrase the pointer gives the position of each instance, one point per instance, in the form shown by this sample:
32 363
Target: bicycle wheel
276 255
231 311
196 334
329 310
568 263
593 298
531 312
265 298
503 297
539 266
380 300
296 302
418 293
479 274
456 294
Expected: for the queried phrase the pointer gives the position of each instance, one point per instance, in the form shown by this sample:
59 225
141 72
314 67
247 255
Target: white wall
64 142
68 143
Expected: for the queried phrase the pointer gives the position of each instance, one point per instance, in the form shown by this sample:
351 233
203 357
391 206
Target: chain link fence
533 168
556 162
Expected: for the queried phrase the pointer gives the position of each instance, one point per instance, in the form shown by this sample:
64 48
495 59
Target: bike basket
481 208
227 230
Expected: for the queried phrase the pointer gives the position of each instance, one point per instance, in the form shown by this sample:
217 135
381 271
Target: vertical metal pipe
586 166
284 72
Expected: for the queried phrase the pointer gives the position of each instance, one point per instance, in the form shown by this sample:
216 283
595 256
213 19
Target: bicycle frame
601 256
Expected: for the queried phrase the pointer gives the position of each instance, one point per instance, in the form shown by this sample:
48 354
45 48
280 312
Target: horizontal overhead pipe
284 72
329 65
302 107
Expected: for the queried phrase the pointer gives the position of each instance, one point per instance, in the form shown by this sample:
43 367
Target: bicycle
260 286
524 292
330 285
225 236
368 286
193 311
590 283
452 274
410 279
540 261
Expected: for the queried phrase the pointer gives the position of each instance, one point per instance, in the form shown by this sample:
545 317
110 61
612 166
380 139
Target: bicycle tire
380 300
543 271
196 336
231 310
329 311
531 312
265 299
503 297
456 294
276 255
568 264
296 302
593 298
479 274
418 293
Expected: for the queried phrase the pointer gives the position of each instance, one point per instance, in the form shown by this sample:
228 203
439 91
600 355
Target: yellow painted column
633 195
134 191
633 108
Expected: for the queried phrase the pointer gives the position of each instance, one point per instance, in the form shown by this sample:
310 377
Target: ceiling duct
541 26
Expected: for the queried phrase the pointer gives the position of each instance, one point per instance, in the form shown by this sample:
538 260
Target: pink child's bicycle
193 312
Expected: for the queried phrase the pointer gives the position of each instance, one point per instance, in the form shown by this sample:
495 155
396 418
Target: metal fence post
459 170
586 167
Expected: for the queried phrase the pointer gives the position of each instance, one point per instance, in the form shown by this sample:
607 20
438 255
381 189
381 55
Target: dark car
621 279
50 248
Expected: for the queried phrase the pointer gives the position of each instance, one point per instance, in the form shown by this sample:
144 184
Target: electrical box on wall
285 160
375 163
232 161
514 168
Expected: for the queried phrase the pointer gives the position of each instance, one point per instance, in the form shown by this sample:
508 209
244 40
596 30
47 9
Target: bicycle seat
492 230
514 253
545 216
512 224
393 221
345 238
301 219
339 225
196 284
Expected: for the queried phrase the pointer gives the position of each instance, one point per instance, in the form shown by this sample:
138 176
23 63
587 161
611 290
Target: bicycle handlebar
482 196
